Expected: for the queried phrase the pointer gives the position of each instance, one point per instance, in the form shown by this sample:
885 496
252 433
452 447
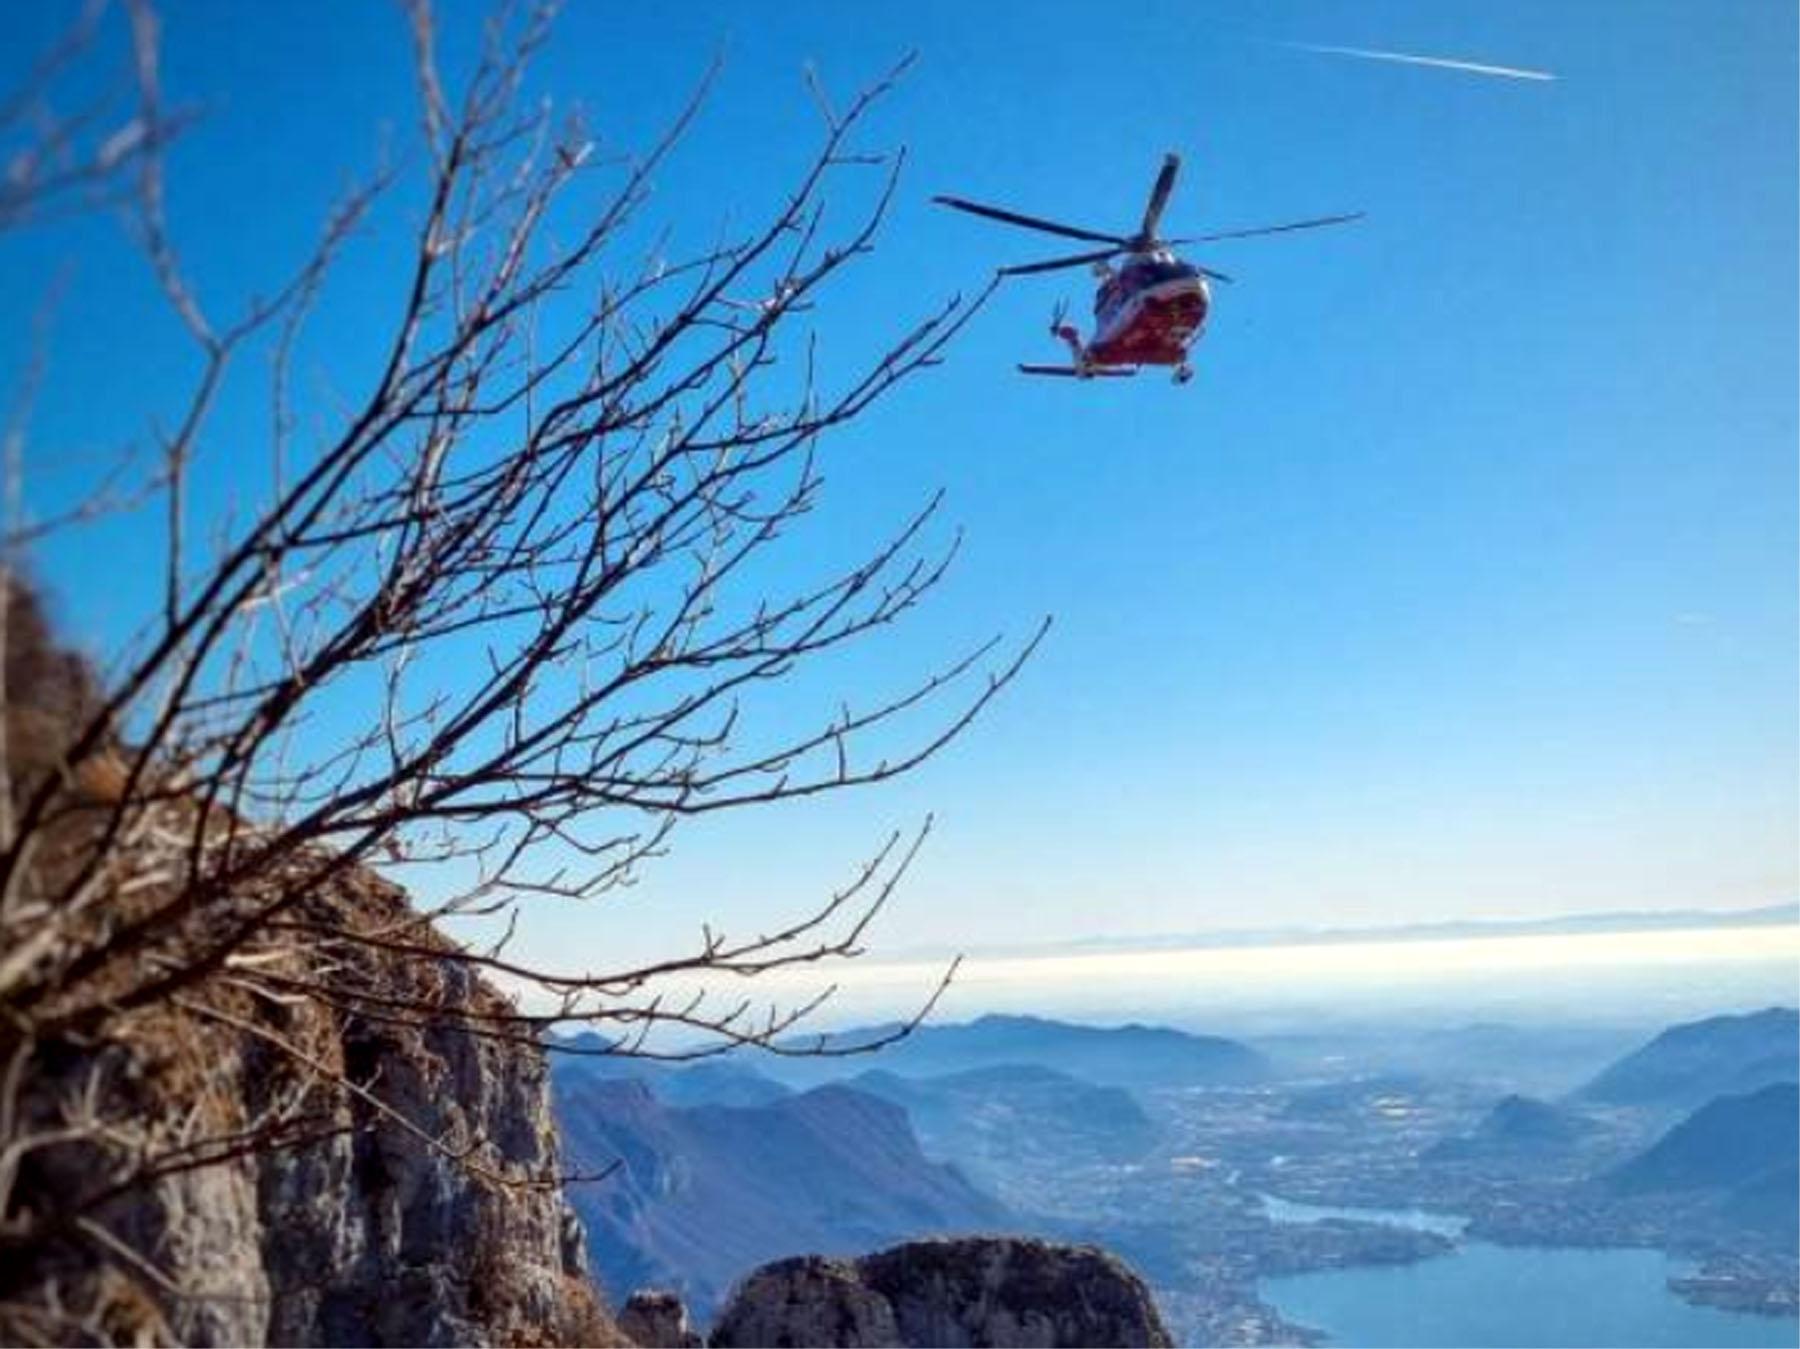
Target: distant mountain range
719 1081
1116 1056
992 1121
1729 1142
703 1194
1745 1150
1736 1152
1692 1063
722 1166
1627 920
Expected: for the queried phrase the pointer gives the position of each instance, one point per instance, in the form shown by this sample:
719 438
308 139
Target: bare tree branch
505 620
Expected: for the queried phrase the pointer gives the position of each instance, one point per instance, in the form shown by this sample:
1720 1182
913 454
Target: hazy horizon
1248 933
1620 979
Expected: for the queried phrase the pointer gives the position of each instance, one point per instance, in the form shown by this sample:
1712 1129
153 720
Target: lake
1516 1296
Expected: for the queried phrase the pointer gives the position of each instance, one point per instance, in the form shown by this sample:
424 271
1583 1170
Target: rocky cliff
231 1164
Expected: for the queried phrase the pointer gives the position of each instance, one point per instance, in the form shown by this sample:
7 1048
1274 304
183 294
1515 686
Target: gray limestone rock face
806 1300
377 1237
421 1207
997 1291
213 1166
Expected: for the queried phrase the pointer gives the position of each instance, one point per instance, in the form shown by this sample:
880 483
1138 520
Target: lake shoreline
1709 1304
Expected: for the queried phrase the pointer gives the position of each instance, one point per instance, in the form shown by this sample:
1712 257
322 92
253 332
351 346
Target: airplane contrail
1441 62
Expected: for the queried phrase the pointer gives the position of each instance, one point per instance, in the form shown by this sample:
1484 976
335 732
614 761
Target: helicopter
1148 310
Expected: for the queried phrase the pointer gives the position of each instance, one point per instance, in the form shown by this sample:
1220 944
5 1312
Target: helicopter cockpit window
1141 272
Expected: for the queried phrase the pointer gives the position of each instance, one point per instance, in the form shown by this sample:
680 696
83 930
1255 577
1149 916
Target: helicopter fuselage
1148 312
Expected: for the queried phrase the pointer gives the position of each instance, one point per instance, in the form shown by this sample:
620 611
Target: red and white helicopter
1150 308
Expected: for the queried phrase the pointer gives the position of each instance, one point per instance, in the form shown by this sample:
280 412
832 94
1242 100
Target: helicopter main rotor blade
1270 229
1100 255
1030 222
1159 196
1055 264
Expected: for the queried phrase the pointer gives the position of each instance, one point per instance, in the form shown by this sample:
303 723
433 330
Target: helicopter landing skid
1079 371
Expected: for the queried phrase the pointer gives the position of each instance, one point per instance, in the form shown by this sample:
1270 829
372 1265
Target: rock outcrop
655 1318
1000 1291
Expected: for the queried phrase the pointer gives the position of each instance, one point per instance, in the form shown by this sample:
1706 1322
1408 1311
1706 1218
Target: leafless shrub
529 553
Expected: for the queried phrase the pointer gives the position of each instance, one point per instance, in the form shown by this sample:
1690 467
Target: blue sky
1461 580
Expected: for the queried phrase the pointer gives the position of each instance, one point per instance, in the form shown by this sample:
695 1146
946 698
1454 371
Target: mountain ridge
1690 1063
703 1194
1729 1143
1130 1055
993 1121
